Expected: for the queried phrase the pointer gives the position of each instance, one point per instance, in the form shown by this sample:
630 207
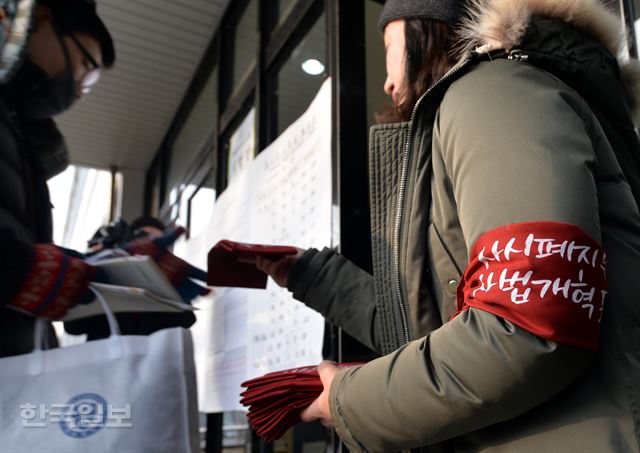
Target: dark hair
429 55
80 16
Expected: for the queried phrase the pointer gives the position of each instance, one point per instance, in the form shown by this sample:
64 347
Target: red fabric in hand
233 263
546 277
276 400
55 283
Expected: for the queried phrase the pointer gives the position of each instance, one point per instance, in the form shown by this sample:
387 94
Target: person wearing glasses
69 48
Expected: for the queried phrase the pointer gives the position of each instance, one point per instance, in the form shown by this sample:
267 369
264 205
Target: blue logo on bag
85 415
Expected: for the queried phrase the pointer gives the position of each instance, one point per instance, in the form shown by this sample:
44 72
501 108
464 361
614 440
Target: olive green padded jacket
533 125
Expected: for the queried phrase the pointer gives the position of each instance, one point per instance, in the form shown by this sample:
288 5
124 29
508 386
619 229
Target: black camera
116 232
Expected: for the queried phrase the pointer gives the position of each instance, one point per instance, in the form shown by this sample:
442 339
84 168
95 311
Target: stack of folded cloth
234 263
276 400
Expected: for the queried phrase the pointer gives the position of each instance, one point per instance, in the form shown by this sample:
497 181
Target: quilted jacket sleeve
338 289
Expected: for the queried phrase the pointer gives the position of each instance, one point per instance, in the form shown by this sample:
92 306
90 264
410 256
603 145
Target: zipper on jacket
517 55
401 195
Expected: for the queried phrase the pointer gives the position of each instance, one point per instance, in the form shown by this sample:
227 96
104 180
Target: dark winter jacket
25 218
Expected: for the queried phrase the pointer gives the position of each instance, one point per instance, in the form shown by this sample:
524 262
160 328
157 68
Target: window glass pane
375 62
301 76
183 208
201 206
174 205
155 199
81 197
284 8
195 132
241 145
633 12
245 45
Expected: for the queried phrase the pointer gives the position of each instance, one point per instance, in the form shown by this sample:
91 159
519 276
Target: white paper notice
242 145
282 197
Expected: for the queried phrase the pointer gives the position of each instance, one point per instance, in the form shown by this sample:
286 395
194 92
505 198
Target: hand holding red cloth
237 264
277 400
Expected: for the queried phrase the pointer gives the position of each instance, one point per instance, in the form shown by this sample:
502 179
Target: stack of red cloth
233 263
276 399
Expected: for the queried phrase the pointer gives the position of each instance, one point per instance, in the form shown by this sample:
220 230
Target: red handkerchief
306 372
276 400
233 263
261 393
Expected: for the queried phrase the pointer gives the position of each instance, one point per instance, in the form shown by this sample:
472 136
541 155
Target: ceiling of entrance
159 44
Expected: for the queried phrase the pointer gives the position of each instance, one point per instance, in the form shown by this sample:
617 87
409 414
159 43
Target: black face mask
38 96
32 93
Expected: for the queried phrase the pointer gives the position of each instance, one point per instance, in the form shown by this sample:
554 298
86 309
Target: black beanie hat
448 11
80 16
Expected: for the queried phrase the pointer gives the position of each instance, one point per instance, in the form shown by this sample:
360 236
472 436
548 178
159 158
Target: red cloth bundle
276 399
233 263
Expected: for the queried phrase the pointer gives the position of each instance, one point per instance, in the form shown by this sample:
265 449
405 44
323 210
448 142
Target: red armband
546 277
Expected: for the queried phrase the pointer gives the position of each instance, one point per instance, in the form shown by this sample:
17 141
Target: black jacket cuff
17 261
305 270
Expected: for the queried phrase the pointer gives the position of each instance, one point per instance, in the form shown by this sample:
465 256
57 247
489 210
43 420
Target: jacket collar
505 24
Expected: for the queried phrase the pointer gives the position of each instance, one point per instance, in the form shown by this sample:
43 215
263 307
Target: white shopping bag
125 394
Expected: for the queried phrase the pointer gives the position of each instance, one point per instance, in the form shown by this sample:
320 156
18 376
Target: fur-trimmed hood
501 24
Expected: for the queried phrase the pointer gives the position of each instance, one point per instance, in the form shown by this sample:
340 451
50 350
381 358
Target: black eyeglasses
92 76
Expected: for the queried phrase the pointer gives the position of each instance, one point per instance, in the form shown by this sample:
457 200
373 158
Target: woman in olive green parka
492 211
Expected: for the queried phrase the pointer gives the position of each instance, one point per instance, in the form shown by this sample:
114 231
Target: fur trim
501 24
